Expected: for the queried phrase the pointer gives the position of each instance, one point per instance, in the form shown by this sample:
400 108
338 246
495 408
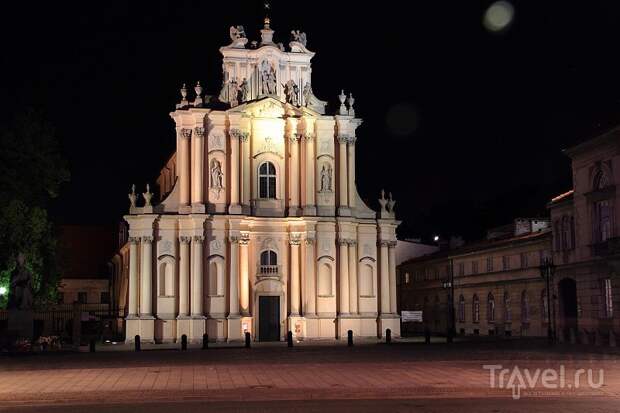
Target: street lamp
2 291
547 271
449 286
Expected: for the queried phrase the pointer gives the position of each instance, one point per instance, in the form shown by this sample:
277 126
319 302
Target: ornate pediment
266 108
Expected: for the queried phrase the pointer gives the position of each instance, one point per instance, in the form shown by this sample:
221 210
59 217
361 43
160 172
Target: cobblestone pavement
400 371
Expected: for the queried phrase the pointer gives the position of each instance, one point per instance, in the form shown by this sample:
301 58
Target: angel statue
236 33
299 37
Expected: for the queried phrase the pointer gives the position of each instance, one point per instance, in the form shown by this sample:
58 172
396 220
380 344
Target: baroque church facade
260 227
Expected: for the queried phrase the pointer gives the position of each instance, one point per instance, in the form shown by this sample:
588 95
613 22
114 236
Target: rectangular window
490 264
506 262
608 299
474 267
82 298
272 187
104 297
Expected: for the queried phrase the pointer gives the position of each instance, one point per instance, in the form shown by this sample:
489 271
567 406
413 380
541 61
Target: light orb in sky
498 16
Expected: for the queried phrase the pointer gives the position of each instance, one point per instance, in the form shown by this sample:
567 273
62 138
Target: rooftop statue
238 37
299 37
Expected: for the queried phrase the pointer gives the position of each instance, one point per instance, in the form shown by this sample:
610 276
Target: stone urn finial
351 101
147 196
132 197
382 201
198 90
343 109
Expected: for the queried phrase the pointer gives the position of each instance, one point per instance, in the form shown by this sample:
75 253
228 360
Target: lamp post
547 271
449 285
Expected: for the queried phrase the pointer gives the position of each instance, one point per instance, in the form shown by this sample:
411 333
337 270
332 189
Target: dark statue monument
20 301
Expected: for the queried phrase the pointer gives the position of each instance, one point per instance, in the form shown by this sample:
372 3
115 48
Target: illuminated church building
260 227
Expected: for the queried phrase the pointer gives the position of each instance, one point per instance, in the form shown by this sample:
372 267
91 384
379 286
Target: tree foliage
32 171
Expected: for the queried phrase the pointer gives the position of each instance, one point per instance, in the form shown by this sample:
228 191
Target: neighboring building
85 275
586 243
497 284
260 228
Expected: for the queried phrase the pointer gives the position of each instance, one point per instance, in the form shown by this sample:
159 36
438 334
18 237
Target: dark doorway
269 318
567 289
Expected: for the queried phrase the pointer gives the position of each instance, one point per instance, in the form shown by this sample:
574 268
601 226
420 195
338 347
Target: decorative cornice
147 238
198 238
184 239
186 133
200 131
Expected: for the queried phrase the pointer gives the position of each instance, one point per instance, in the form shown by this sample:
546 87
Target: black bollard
388 336
427 336
289 338
205 341
183 342
136 342
92 345
350 338
248 340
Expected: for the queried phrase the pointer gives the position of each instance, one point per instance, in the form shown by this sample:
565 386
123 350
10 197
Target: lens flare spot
498 16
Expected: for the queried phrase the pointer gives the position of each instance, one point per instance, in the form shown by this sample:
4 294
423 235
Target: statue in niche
299 37
233 93
268 79
245 90
236 33
217 177
20 290
326 178
292 92
307 93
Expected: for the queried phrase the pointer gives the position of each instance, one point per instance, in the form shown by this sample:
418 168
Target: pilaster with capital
353 276
146 299
244 276
234 277
184 271
384 277
184 171
198 169
293 138
235 207
133 277
310 203
351 169
295 242
392 271
310 266
197 276
342 175
343 259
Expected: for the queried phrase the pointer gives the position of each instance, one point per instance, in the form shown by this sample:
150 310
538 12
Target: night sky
464 126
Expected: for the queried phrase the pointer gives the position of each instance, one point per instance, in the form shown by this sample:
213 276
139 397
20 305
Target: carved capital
200 131
234 239
352 140
295 239
133 240
308 137
343 139
392 244
352 242
383 243
294 137
147 239
186 133
245 238
183 239
198 239
239 134
342 241
309 241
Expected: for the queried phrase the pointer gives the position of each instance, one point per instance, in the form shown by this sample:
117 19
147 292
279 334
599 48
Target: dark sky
488 113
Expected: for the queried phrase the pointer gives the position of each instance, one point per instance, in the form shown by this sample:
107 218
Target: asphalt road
492 405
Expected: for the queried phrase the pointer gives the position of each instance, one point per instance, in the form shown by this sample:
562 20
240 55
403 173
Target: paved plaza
263 375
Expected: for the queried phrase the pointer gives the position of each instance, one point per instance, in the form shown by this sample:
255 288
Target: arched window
475 309
268 262
166 279
366 284
544 304
601 180
507 308
461 309
490 308
602 210
267 181
525 307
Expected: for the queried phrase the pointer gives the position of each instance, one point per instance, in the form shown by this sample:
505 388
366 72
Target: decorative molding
186 133
328 257
200 131
367 258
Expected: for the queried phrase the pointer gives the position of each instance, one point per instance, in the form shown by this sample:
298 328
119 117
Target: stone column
342 176
198 170
245 168
197 277
351 153
146 299
133 276
385 278
294 175
392 270
184 167
344 277
310 207
353 276
295 241
234 277
310 278
244 279
184 276
234 207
